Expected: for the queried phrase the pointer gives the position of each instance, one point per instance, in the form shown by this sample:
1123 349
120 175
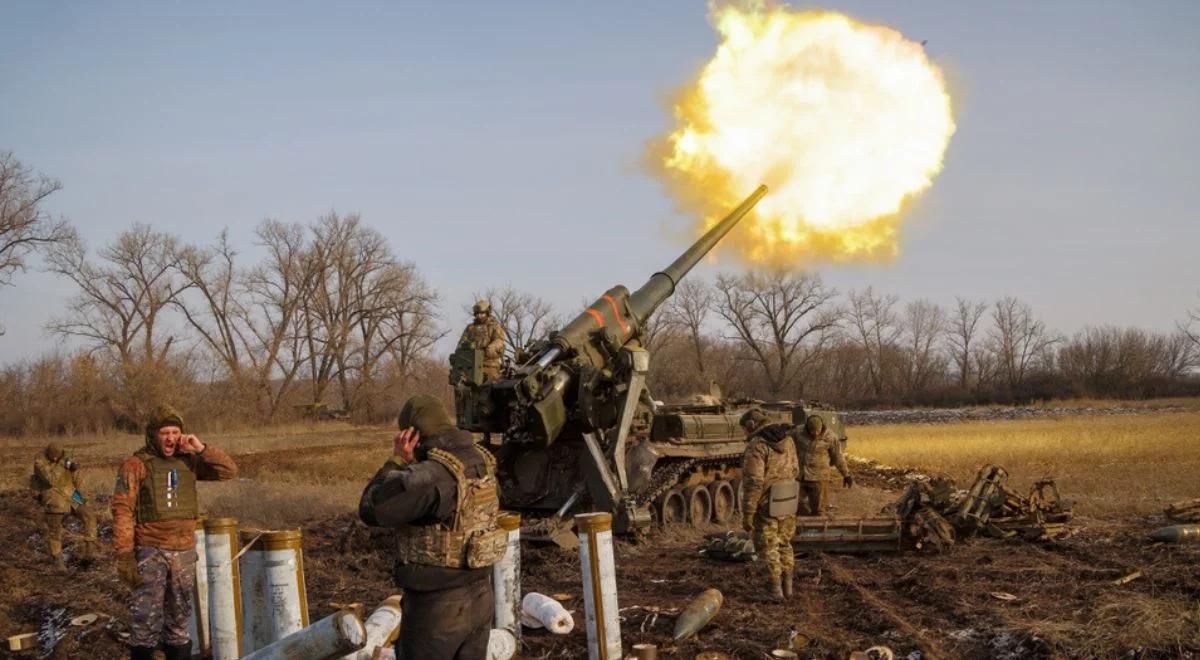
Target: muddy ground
981 599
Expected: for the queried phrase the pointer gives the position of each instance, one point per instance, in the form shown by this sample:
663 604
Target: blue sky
499 143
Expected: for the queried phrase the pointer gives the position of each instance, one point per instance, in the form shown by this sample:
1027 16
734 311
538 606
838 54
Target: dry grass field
1116 465
1120 469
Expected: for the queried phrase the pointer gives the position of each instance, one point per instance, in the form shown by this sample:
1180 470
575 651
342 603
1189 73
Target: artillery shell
1177 534
698 613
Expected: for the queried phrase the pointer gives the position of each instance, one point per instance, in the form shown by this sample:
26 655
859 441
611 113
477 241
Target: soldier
770 460
154 512
57 483
439 492
818 448
486 334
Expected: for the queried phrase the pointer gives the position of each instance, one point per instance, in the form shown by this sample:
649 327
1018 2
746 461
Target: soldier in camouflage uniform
818 449
770 458
486 334
154 510
57 483
439 492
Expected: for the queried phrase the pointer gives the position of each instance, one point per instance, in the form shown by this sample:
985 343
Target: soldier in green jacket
819 449
57 483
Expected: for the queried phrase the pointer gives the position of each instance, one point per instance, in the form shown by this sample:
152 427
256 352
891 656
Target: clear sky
499 143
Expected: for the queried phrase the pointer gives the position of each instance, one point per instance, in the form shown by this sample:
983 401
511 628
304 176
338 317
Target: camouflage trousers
54 527
814 495
161 606
773 541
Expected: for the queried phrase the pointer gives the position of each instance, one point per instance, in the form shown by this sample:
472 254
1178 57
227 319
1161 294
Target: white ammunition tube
273 593
334 636
380 627
224 588
501 645
506 577
198 623
599 585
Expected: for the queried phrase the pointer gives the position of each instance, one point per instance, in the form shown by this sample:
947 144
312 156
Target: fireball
845 122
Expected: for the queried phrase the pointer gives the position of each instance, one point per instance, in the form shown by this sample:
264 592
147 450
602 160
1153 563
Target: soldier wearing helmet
485 334
769 473
819 449
57 484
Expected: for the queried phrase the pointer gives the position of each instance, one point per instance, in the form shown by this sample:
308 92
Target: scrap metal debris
729 546
936 513
1186 511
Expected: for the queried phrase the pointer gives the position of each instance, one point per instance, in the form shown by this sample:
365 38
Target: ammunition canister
224 588
599 585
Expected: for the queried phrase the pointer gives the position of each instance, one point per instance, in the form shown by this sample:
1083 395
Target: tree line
328 317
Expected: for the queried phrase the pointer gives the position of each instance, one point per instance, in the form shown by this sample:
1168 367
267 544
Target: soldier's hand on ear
190 444
405 444
748 522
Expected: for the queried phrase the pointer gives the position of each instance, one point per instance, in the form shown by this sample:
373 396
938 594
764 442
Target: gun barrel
662 284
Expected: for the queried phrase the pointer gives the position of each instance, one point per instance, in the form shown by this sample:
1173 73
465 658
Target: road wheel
723 507
699 505
672 508
736 485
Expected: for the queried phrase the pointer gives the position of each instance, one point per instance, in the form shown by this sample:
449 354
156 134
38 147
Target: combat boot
776 589
178 651
141 653
787 584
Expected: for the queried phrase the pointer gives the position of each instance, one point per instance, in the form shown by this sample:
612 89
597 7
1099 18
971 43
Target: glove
748 522
848 481
127 570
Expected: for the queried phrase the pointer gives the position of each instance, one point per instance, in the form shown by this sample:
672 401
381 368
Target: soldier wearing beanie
769 460
154 511
819 450
439 492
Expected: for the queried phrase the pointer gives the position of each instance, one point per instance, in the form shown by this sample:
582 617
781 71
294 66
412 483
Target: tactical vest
168 492
472 537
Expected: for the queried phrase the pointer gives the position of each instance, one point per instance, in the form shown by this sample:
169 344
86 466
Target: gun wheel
723 507
699 505
672 507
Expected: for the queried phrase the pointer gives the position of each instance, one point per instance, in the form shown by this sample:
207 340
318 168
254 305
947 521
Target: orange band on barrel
616 312
596 317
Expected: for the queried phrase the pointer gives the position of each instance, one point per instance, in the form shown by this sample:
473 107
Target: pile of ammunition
935 513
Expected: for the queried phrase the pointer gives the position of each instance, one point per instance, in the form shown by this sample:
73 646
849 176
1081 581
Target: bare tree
924 324
688 311
121 303
524 317
961 331
781 319
24 226
875 328
1017 340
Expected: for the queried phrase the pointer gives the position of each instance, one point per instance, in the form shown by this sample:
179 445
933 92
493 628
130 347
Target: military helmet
54 451
814 424
753 419
481 307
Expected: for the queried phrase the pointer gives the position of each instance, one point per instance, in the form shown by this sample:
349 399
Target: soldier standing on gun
770 462
154 510
439 492
486 334
818 449
56 480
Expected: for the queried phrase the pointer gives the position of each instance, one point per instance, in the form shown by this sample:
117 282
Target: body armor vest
472 537
168 492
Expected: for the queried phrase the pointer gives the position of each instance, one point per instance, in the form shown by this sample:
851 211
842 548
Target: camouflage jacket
770 458
56 484
818 454
212 464
487 337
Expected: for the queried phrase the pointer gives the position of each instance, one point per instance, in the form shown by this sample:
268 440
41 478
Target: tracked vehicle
574 428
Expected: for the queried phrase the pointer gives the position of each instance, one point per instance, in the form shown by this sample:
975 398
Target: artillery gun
577 428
